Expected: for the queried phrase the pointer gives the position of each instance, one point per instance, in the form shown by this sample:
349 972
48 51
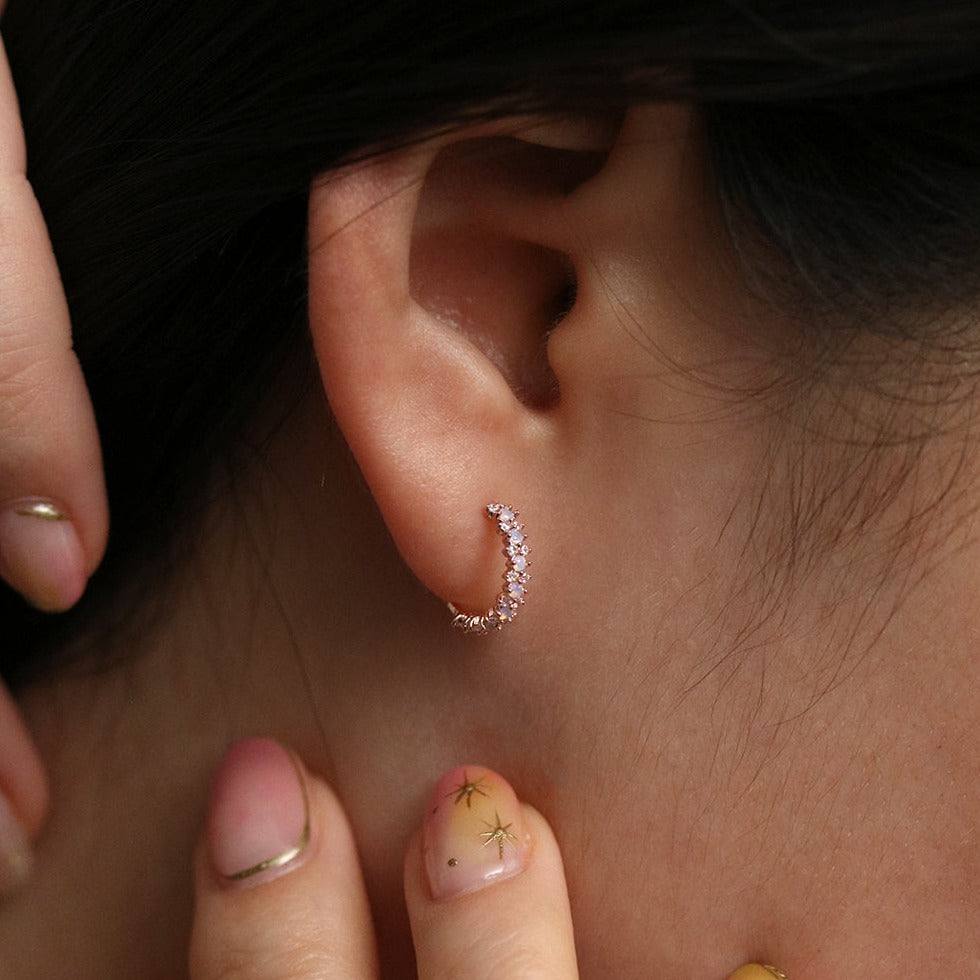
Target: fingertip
473 834
24 797
41 554
16 853
89 501
23 777
484 884
758 971
277 877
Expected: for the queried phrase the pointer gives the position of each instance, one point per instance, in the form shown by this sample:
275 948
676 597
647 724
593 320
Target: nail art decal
474 834
499 832
466 789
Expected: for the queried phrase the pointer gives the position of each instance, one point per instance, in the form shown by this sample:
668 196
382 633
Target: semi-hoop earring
516 576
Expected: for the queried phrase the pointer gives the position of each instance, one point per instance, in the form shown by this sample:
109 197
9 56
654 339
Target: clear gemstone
519 563
516 536
506 514
493 509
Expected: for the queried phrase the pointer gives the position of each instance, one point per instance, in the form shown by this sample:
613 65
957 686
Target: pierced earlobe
516 577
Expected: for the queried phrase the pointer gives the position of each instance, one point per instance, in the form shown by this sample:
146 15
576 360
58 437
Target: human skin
278 889
279 892
49 447
50 464
744 755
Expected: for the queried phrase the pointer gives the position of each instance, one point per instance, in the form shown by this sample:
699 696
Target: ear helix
516 577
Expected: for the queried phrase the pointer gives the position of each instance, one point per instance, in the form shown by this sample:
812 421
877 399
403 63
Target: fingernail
259 819
16 856
756 971
40 554
473 834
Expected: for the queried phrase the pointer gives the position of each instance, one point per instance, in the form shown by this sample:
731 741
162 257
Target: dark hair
171 148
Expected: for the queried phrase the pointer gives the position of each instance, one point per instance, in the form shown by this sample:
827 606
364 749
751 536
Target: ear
430 310
438 277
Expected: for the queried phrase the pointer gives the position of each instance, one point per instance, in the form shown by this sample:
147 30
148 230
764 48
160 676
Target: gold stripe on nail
775 971
290 854
43 512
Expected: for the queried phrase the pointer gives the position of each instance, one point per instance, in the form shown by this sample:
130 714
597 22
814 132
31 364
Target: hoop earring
516 577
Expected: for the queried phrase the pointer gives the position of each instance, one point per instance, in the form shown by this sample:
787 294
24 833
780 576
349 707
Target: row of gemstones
516 576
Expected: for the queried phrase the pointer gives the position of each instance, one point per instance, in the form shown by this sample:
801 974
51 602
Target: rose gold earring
516 576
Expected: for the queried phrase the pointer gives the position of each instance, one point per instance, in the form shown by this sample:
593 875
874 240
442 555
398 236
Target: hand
280 894
483 881
53 511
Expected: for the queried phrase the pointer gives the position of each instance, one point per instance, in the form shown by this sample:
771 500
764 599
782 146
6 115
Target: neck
762 805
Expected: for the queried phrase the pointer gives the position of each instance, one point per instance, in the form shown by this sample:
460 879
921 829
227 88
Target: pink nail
16 857
474 832
259 820
40 554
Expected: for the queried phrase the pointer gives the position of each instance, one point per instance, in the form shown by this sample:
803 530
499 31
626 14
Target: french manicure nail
16 856
473 834
259 818
41 555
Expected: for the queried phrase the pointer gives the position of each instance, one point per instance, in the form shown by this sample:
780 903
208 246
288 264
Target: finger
279 892
23 796
485 886
53 512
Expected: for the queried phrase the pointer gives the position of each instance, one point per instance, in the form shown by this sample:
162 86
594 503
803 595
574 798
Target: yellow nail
474 832
756 971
